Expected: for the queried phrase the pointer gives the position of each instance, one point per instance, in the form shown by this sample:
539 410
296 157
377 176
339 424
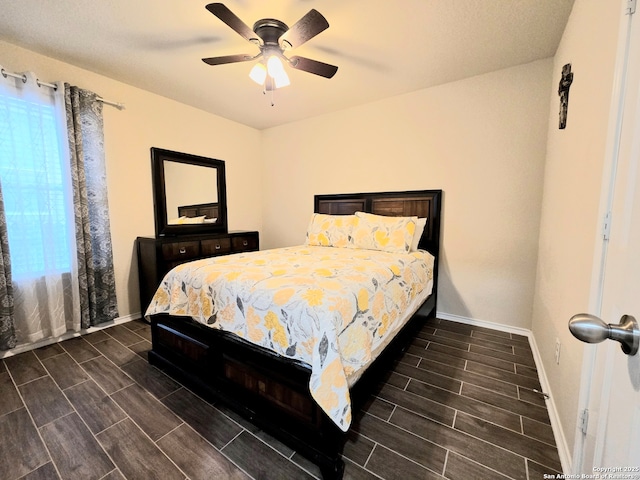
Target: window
34 187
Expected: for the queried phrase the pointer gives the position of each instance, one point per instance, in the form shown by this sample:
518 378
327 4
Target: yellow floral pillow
378 232
330 230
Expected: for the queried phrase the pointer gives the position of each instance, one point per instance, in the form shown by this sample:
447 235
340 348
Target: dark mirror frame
158 157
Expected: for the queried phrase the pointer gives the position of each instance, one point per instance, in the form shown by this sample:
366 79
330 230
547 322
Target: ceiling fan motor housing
270 30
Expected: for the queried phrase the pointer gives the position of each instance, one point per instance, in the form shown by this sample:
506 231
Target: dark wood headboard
209 210
420 203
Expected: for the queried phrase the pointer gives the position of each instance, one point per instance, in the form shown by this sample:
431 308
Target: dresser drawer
180 251
215 246
244 243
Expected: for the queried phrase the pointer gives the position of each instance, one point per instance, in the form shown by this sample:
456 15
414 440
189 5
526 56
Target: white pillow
190 220
420 224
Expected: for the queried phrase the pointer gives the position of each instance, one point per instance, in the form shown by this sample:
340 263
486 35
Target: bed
303 360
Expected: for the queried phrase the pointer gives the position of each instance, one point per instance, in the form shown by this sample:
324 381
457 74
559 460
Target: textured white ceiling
382 48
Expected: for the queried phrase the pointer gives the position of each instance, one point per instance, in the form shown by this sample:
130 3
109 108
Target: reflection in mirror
190 189
189 193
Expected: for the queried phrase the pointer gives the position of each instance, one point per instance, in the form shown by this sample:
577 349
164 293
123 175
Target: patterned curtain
89 183
7 327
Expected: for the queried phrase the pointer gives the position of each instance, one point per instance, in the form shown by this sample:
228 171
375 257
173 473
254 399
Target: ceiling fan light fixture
277 72
258 73
282 80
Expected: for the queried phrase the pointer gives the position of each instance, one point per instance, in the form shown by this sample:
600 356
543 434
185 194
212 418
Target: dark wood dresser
156 256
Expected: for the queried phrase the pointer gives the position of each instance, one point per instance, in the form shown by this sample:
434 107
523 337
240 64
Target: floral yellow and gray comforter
333 308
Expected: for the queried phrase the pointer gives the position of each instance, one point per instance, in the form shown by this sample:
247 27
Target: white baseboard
558 431
483 323
65 336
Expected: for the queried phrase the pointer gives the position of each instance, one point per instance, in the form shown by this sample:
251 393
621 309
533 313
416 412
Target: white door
612 444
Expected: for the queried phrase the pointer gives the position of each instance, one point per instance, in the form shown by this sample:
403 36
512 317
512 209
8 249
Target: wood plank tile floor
458 404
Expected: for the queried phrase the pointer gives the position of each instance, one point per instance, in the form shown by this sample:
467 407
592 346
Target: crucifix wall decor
563 91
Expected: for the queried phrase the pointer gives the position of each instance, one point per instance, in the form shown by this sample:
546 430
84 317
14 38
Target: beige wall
150 120
481 140
570 224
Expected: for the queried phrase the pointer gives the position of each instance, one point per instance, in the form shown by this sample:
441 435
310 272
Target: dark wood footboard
269 390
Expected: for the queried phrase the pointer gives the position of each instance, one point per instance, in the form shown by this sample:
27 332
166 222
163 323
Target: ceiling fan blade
305 29
228 59
230 18
313 66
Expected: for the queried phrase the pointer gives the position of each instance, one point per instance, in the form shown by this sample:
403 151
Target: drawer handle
183 250
245 243
218 247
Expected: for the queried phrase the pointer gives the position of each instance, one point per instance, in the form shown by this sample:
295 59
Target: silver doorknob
591 329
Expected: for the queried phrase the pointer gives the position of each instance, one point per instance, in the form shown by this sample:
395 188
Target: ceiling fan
273 38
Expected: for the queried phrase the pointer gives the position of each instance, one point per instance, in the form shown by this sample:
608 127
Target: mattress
334 309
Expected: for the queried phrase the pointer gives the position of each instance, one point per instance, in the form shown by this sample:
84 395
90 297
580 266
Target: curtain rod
23 77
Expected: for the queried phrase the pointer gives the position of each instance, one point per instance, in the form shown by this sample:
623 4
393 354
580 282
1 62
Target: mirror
189 193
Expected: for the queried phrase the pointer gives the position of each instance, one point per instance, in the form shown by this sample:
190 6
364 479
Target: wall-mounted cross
563 91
